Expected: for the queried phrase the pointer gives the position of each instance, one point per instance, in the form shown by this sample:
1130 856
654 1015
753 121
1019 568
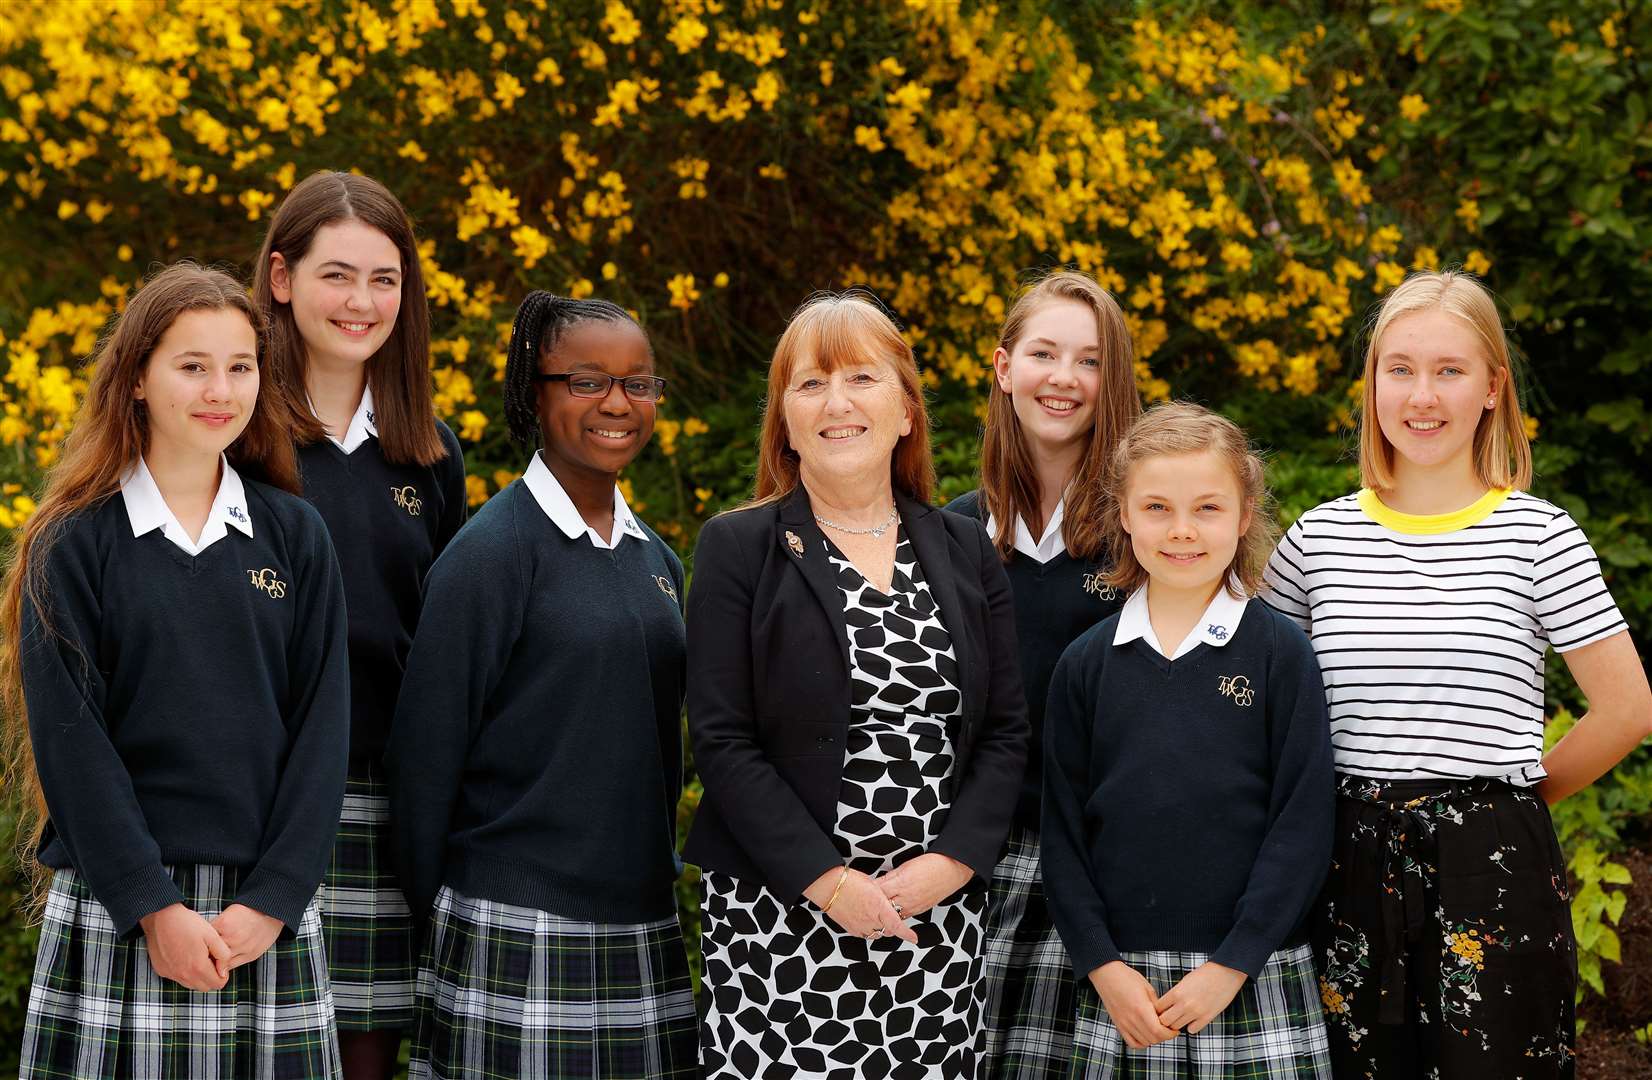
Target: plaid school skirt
1272 1030
1030 992
98 1011
507 992
364 916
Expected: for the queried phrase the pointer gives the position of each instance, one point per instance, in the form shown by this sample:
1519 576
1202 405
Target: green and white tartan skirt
1274 1029
507 991
98 1011
1028 986
364 916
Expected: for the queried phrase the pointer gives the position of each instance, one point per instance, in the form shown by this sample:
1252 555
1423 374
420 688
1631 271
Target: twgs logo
267 583
1236 687
408 499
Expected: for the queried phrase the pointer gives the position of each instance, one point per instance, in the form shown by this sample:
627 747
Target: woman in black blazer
858 723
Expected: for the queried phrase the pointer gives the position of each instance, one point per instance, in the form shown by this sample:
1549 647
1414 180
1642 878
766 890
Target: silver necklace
875 531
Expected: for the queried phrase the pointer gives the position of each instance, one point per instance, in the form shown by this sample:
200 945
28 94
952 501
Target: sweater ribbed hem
519 882
1146 930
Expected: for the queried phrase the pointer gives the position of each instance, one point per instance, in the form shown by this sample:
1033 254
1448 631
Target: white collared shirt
363 424
1215 627
548 493
147 510
1046 547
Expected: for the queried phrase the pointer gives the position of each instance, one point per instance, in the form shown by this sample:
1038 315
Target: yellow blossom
687 33
1476 262
1413 107
683 292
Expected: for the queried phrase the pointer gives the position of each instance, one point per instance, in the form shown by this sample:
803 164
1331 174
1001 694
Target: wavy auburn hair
1009 481
832 330
109 436
1178 429
1502 453
399 373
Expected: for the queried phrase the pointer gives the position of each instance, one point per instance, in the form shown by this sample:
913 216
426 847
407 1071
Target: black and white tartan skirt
507 991
98 1011
1029 990
365 918
1274 1029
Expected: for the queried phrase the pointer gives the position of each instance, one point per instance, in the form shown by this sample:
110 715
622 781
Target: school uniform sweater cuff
272 893
137 895
1246 949
1094 948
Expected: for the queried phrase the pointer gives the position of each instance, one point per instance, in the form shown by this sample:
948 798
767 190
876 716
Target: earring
1491 403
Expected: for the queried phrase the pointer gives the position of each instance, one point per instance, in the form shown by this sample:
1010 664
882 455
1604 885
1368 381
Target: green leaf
1616 874
1610 948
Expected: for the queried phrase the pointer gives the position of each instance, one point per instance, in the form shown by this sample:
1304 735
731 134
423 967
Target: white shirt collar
548 493
147 510
1044 548
1215 627
362 425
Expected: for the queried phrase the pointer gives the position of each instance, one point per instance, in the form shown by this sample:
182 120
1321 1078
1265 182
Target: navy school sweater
1054 603
1188 804
536 756
191 709
388 524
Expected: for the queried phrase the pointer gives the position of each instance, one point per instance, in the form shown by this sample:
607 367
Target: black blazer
769 693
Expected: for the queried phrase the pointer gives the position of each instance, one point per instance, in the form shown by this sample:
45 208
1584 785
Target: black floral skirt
1444 934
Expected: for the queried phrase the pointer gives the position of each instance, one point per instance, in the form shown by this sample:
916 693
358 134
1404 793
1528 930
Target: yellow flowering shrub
707 164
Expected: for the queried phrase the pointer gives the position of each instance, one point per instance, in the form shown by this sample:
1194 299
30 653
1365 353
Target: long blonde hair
833 330
1175 429
109 435
1502 453
1009 481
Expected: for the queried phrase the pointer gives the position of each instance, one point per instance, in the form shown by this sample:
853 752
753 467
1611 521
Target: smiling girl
536 757
1431 596
1187 789
339 279
1063 393
177 705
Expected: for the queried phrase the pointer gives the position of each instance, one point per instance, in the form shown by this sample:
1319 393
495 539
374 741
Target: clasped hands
1145 1018
198 953
871 907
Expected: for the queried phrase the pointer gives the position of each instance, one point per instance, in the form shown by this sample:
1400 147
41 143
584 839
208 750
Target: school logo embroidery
408 499
267 583
1220 633
665 586
237 513
793 542
1236 687
1098 588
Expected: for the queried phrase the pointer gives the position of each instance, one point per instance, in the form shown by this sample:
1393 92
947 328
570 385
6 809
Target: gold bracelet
841 878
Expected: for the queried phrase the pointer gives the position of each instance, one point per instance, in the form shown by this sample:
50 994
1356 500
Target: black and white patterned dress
791 994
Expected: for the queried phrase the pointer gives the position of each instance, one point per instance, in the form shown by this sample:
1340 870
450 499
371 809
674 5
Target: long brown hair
834 329
399 373
1009 481
109 435
1177 429
1502 453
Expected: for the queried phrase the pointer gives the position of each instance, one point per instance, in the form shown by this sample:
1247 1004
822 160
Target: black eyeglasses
596 384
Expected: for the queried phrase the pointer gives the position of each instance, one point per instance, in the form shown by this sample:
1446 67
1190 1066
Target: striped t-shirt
1431 630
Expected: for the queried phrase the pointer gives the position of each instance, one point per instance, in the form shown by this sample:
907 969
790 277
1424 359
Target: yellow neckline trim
1431 524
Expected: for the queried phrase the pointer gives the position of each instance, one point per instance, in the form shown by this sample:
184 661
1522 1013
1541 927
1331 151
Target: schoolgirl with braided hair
536 756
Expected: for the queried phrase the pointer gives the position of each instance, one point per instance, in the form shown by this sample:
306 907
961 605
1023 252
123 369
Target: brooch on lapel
795 543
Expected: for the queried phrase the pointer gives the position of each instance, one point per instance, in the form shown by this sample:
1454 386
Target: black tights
369 1055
